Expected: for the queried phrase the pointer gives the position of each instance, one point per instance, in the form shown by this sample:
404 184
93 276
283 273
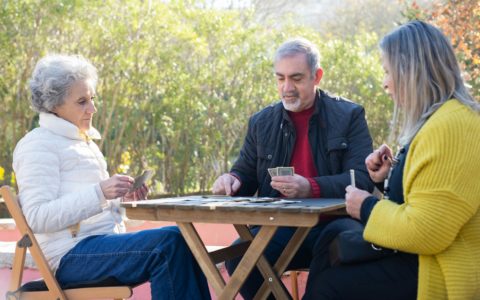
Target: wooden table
241 212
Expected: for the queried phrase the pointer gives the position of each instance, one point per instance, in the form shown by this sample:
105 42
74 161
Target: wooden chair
48 288
294 282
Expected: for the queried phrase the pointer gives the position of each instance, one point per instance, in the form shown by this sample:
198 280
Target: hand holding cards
140 180
281 171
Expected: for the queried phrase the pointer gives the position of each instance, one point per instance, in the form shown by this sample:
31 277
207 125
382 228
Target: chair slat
17 268
114 292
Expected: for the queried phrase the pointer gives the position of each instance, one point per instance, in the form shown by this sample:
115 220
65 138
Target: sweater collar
64 128
304 114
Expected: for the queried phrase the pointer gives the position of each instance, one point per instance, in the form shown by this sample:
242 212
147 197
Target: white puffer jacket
58 173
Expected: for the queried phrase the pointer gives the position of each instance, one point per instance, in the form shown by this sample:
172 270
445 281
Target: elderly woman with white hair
71 203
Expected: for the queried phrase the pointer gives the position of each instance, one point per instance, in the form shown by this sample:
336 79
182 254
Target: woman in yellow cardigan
430 212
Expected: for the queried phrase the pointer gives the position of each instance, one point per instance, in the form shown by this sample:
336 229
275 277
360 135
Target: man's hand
295 186
116 186
378 163
353 200
138 194
226 184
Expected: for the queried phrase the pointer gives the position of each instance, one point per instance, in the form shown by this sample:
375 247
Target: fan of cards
281 171
141 179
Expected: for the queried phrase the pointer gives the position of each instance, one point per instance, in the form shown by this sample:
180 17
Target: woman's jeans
160 256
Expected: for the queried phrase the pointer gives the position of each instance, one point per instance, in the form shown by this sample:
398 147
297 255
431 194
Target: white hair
54 75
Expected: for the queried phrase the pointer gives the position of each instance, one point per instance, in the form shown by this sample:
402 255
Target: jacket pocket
337 144
265 153
336 148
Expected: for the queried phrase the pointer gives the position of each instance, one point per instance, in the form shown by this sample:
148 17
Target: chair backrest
29 241
54 291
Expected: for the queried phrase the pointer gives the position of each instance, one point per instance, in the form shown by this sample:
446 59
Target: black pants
394 277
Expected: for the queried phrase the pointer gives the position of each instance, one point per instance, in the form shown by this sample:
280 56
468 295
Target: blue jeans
160 256
301 260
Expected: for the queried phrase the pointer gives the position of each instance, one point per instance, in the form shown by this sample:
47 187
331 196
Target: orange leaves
459 20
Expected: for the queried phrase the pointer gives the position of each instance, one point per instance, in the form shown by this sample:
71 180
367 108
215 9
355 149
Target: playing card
140 180
285 171
352 177
273 172
262 199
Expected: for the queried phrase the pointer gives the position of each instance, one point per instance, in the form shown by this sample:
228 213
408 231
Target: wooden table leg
248 261
268 273
198 249
284 259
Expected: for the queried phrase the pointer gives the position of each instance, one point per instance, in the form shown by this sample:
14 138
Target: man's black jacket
338 135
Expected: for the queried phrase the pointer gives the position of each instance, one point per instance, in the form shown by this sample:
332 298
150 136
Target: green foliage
352 69
177 82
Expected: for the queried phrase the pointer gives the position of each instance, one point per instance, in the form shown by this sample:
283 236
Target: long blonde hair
425 74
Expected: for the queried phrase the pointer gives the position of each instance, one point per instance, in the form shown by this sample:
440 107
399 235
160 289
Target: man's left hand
353 200
295 186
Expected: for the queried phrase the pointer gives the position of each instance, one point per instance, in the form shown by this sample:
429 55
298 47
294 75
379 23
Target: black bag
349 247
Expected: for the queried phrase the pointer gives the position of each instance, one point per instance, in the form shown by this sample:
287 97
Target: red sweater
302 158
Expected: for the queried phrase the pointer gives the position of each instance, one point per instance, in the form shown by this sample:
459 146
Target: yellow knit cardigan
440 219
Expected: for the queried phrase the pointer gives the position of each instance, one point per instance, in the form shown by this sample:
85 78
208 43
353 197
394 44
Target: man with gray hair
322 137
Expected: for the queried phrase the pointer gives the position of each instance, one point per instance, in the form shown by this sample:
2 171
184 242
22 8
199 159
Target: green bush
177 82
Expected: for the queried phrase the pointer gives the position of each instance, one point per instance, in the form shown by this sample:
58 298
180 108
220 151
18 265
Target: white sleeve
37 168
